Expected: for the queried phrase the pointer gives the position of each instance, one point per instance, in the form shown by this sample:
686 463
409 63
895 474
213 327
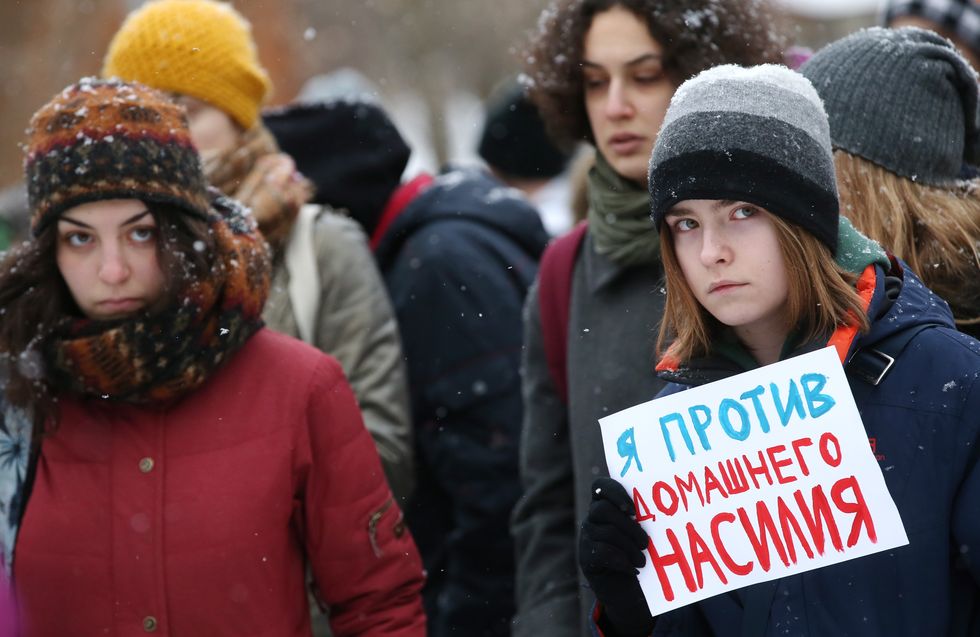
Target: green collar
855 252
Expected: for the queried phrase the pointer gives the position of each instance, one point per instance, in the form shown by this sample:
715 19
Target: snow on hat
956 17
758 135
106 139
199 48
901 98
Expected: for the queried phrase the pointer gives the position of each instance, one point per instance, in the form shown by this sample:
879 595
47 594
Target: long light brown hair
821 295
935 230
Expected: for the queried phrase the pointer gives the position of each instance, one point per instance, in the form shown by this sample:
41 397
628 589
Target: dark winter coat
197 518
612 329
924 418
458 262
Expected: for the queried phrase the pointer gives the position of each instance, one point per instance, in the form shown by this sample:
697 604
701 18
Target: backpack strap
398 201
304 275
554 299
872 364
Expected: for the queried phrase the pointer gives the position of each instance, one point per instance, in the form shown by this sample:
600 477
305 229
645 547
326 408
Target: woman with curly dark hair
686 36
602 71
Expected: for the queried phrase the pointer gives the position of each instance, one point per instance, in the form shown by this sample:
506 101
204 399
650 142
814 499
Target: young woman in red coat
166 464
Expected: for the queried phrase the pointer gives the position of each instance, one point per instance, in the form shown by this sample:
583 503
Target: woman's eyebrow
77 223
133 219
646 57
718 204
136 217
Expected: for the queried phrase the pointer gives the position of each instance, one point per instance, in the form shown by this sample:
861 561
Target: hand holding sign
611 548
759 476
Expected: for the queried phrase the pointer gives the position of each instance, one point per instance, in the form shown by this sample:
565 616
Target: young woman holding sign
760 267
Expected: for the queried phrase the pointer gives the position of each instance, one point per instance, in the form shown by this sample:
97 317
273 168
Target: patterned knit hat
101 139
758 135
901 98
960 18
199 48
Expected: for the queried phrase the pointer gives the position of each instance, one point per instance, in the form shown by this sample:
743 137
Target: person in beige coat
356 324
326 288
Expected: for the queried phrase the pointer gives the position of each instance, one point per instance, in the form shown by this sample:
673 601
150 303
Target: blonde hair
821 296
935 230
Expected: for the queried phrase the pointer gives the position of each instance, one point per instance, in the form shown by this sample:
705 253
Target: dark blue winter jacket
924 419
458 262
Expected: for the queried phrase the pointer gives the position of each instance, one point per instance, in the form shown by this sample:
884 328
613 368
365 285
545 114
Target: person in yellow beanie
200 49
203 54
325 285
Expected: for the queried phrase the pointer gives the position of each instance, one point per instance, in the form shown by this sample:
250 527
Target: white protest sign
752 478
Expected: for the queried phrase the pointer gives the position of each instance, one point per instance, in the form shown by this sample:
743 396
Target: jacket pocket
384 526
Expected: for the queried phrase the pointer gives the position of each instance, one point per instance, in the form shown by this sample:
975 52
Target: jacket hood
349 149
468 194
915 305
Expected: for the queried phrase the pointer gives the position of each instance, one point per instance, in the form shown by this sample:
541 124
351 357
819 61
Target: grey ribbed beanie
758 135
901 98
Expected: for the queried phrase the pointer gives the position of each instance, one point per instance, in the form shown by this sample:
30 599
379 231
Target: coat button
146 465
149 623
399 529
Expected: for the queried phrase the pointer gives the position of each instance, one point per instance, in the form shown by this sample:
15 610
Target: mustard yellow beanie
200 48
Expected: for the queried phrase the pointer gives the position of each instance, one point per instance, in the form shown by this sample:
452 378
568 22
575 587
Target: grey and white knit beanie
901 98
758 135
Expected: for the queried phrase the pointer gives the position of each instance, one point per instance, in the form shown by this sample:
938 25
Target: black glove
610 550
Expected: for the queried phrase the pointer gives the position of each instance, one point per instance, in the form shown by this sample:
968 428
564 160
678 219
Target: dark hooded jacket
457 259
458 262
924 419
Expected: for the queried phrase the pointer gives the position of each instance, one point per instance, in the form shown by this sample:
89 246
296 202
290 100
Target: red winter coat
195 519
